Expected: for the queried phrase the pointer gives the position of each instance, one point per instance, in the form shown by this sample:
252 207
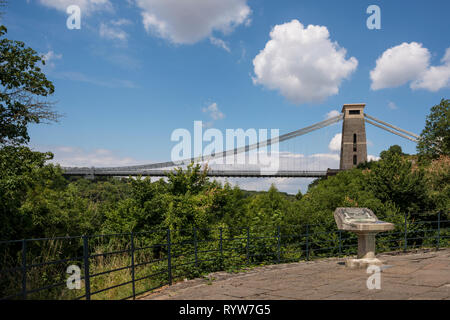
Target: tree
395 149
23 89
192 180
437 175
267 209
435 137
20 169
392 179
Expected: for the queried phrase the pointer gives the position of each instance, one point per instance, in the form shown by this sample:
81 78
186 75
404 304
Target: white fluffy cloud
302 63
214 111
68 156
392 105
410 62
121 22
399 65
86 6
435 78
332 113
335 143
219 43
50 58
113 31
189 21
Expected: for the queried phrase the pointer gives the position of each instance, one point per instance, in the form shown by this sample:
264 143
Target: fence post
169 258
24 269
248 245
195 247
340 243
307 242
132 266
278 244
87 284
438 242
405 246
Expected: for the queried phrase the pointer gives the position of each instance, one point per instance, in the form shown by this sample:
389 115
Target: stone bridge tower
353 145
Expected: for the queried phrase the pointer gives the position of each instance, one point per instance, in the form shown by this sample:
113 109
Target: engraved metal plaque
361 215
354 218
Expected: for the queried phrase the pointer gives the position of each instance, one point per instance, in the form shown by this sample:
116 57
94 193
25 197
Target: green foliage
142 210
393 180
395 149
437 176
228 206
42 202
23 87
435 137
267 209
191 181
21 170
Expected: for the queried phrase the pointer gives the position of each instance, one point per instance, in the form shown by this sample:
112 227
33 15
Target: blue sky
139 69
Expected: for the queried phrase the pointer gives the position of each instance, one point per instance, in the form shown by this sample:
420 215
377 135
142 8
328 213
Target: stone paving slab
420 274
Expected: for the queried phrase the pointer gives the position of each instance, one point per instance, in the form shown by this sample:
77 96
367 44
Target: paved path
422 274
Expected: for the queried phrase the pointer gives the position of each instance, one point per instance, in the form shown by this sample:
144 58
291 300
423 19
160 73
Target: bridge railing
126 265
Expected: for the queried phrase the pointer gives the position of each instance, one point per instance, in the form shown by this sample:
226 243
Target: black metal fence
126 265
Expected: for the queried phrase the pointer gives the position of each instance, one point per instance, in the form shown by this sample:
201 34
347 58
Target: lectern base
362 263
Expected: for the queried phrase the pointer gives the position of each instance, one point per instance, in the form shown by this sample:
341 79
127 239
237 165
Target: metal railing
156 258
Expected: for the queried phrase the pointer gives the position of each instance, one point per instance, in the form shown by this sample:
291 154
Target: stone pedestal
366 251
366 225
366 245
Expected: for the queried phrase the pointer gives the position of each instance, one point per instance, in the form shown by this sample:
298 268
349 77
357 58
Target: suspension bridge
353 151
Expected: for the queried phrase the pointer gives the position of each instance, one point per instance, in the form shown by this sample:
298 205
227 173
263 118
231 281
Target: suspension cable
392 126
391 131
223 154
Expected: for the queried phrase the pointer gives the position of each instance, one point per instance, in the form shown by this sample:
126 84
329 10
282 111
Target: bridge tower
353 145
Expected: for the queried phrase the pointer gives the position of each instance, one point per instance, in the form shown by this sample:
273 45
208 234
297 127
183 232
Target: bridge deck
211 173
